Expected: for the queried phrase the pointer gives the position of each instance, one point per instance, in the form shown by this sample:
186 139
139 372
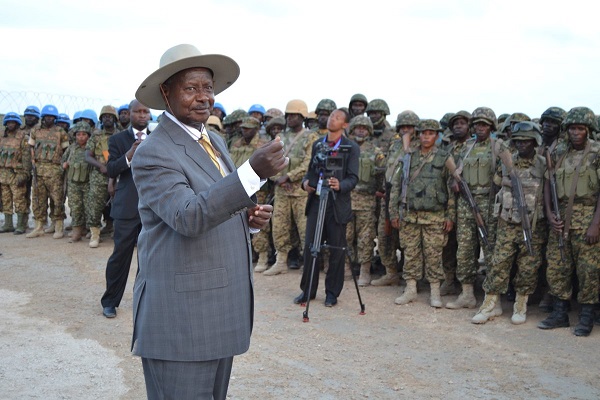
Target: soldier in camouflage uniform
240 151
78 171
48 142
64 122
529 168
383 133
323 111
577 171
388 236
32 119
274 127
460 132
479 163
97 157
446 129
15 167
358 105
506 131
290 198
362 227
231 125
422 213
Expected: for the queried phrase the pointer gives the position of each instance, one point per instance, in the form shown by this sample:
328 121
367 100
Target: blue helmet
32 110
63 118
89 114
11 116
123 107
76 117
220 107
49 109
256 108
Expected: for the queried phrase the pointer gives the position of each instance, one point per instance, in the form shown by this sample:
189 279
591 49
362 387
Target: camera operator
333 169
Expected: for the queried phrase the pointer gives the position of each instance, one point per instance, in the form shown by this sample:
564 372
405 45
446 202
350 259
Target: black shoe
558 318
109 312
330 301
586 321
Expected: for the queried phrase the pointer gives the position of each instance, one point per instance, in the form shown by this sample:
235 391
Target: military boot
546 302
466 299
448 286
558 318
50 228
435 299
8 224
261 264
95 237
280 267
59 229
365 274
76 234
586 320
519 309
410 293
490 309
21 224
391 278
37 231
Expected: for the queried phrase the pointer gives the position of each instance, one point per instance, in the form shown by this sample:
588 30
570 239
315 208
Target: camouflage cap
429 125
273 112
236 116
109 110
407 118
250 122
527 130
555 113
215 121
358 97
378 105
326 105
274 121
445 121
583 116
82 126
461 114
361 120
484 114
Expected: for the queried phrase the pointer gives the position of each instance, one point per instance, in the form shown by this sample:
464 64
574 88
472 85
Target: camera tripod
315 249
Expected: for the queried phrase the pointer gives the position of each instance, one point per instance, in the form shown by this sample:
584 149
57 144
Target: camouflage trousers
288 215
387 244
260 240
469 242
422 244
77 193
581 258
449 253
97 197
362 229
48 188
509 248
14 196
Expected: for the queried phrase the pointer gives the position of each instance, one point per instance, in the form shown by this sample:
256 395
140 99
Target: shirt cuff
250 180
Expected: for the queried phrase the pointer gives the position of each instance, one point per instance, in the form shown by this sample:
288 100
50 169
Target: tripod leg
362 305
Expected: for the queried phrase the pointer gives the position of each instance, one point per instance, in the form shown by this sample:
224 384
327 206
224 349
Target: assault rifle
468 196
519 196
405 179
555 205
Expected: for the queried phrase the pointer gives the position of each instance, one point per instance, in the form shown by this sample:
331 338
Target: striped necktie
210 150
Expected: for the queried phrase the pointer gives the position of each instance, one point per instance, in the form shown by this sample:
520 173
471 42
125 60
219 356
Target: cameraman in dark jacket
333 170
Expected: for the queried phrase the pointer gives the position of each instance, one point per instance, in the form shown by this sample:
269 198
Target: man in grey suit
193 295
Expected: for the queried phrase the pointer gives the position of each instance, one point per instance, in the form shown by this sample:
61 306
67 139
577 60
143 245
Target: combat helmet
11 116
378 105
297 107
361 120
273 113
583 116
256 108
82 126
554 113
358 97
50 110
461 114
236 116
109 110
32 110
219 106
407 118
502 117
429 125
526 130
484 114
445 121
326 105
90 114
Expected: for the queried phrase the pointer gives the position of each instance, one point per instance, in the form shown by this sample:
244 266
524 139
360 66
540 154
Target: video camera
327 159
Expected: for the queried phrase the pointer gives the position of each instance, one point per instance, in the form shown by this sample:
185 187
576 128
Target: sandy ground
55 343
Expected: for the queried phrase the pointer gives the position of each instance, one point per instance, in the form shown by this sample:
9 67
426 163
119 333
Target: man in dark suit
124 210
339 209
193 295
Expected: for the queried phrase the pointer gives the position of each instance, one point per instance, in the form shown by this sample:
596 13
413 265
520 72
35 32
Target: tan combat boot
448 286
95 237
59 229
520 309
50 228
410 293
435 299
391 278
465 300
280 267
490 309
76 234
261 264
37 231
365 274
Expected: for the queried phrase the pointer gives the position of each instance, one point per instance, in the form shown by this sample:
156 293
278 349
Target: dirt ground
55 343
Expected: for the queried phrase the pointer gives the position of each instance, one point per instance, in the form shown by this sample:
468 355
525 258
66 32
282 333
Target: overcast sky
430 56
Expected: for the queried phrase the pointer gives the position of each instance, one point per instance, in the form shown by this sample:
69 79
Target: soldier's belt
480 191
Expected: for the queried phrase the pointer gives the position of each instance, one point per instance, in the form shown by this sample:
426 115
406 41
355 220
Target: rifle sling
569 212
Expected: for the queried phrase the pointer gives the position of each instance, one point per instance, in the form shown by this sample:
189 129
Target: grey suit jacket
193 295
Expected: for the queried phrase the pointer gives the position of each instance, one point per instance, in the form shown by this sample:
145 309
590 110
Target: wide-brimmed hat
225 72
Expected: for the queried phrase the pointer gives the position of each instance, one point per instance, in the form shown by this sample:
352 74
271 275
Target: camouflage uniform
78 183
48 147
15 171
97 195
383 134
231 126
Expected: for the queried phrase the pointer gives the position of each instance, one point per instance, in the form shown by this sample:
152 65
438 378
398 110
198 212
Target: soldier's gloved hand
22 179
